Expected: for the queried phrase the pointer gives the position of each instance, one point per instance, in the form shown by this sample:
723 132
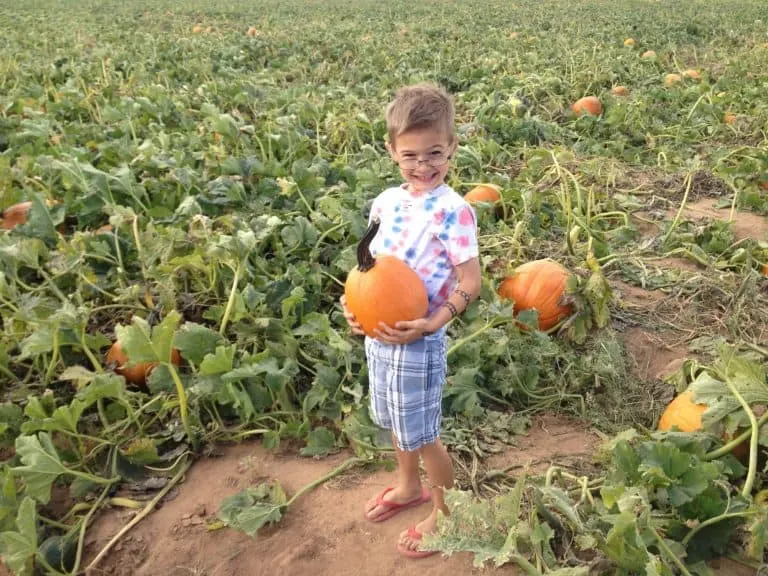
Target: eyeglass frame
413 163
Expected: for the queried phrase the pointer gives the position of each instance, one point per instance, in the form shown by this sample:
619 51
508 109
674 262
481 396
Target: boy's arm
467 290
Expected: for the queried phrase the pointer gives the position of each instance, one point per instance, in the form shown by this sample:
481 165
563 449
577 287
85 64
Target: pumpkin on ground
672 79
383 289
648 54
587 105
483 193
692 74
619 91
539 285
685 414
138 373
730 118
18 214
629 42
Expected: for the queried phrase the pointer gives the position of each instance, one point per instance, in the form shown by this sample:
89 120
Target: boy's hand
353 324
404 332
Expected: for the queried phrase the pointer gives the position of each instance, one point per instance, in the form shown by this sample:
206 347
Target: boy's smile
424 158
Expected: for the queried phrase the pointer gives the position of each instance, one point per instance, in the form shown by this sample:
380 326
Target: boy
430 227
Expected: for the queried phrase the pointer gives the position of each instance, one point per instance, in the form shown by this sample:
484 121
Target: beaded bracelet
448 304
463 294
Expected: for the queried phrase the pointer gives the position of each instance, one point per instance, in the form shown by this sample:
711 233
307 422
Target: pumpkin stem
365 259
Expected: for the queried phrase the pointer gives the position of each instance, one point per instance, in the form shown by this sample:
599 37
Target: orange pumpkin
483 193
619 91
686 415
764 269
629 42
15 215
383 289
18 213
671 79
587 105
692 74
683 413
138 373
539 285
648 54
730 118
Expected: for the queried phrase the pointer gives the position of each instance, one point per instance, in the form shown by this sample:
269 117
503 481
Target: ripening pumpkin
138 373
629 42
683 413
252 32
671 79
686 415
619 91
648 54
15 215
587 105
483 193
538 285
18 213
692 74
383 289
730 118
764 269
197 29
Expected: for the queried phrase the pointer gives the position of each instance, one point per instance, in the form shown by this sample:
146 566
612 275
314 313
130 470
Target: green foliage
236 174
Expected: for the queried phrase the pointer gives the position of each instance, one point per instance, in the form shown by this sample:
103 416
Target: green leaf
19 547
219 362
313 324
624 545
319 443
141 344
253 508
758 535
8 502
195 341
41 465
37 343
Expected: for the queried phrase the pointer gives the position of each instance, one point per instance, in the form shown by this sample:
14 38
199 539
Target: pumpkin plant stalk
183 408
752 473
231 301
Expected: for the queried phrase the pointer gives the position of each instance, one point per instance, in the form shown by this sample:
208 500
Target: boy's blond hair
423 105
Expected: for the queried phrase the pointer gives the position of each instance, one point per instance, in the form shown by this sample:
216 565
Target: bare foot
397 495
426 526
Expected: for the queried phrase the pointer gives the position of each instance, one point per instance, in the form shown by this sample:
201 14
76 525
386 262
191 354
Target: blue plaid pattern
406 388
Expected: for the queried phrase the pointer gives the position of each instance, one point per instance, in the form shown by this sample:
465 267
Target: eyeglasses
434 160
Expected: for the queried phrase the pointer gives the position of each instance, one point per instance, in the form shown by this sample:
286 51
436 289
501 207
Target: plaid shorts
406 388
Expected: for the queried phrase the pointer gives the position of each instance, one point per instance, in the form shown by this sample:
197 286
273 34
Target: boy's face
424 157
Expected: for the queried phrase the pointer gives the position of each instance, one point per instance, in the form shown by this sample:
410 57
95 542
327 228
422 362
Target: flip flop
414 534
393 508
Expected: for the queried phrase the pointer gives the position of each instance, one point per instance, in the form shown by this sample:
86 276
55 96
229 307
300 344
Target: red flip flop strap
414 534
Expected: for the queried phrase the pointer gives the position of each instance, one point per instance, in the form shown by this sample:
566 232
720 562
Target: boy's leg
439 468
408 486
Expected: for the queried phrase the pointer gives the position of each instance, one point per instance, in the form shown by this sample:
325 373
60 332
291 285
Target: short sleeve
459 235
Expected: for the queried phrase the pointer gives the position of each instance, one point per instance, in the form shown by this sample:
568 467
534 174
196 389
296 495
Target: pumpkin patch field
185 189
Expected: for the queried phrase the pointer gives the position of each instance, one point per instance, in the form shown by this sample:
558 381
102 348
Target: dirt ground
324 534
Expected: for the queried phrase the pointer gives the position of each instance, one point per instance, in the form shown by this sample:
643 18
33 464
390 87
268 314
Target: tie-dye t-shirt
432 233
